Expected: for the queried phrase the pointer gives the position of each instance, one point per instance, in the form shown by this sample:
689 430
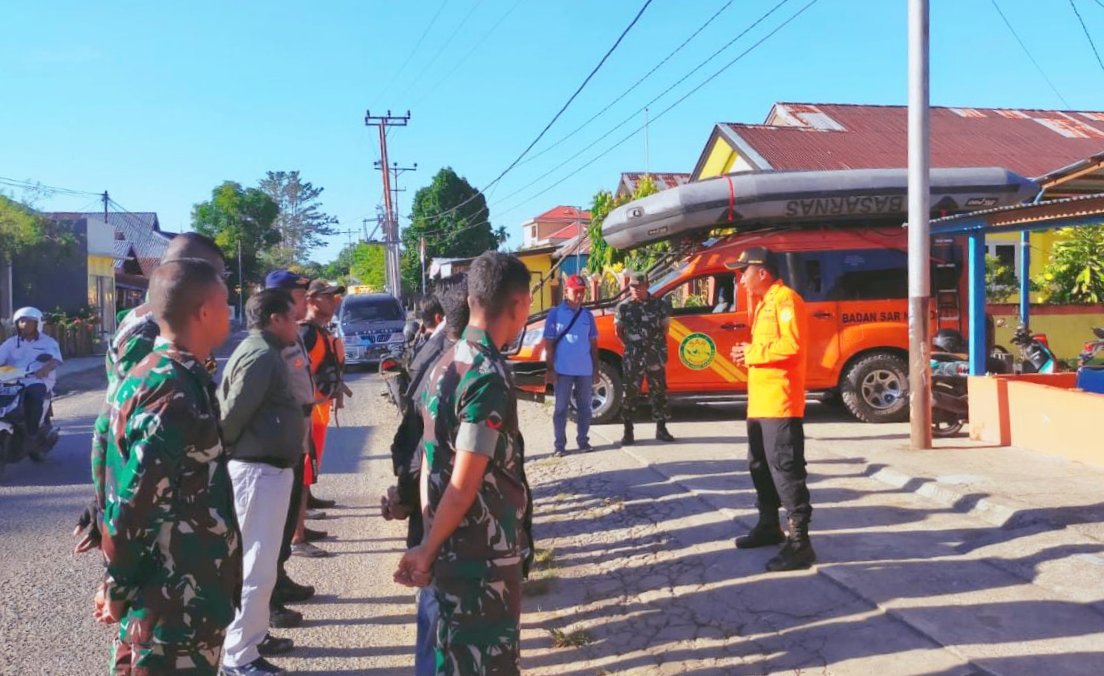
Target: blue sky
160 102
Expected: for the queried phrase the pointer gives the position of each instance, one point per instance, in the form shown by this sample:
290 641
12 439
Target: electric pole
391 221
396 170
919 241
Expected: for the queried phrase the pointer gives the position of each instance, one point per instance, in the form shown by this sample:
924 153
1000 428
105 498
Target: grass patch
542 558
570 639
542 574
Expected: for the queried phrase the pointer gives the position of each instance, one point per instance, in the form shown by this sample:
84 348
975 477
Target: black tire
608 393
946 428
875 388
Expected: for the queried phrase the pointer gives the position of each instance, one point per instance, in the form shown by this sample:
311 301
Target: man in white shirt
36 354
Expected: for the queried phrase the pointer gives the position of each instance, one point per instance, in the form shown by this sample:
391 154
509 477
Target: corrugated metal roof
1026 216
563 213
843 136
663 180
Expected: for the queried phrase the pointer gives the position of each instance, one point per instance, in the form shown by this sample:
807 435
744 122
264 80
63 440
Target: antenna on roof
646 141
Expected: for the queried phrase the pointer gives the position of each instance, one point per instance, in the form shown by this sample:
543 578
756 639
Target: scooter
1090 371
15 442
394 368
1093 354
1036 355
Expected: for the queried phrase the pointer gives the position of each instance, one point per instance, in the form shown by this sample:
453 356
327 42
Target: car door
706 321
811 275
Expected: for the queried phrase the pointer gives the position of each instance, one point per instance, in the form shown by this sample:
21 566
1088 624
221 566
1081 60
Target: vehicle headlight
532 336
399 337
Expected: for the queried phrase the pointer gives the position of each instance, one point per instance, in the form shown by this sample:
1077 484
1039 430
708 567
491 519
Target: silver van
371 326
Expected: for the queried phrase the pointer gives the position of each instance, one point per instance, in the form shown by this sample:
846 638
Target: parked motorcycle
950 366
15 442
394 368
1093 354
1035 354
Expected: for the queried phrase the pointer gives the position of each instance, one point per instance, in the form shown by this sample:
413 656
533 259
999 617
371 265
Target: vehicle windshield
671 273
371 310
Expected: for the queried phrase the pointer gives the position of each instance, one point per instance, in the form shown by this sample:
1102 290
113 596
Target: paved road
639 575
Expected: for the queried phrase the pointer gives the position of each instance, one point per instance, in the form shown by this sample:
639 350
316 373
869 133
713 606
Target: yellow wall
539 265
1066 333
102 267
722 159
1042 244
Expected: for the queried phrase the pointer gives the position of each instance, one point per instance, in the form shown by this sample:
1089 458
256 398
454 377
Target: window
374 310
704 295
861 274
1007 254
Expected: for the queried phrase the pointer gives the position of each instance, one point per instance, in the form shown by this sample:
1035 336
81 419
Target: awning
1062 213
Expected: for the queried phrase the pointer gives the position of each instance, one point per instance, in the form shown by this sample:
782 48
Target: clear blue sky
160 102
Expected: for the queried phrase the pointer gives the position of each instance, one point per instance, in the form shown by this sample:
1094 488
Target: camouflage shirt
643 327
170 538
133 340
468 403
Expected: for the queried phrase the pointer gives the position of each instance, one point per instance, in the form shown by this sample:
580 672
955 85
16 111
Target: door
706 322
811 275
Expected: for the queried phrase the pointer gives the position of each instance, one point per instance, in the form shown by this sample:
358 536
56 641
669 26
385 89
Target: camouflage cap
638 278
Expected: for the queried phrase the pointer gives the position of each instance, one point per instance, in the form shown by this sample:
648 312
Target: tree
301 222
236 215
1000 280
1075 273
449 229
602 256
20 228
368 267
338 269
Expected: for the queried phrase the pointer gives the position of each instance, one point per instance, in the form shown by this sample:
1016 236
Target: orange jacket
776 355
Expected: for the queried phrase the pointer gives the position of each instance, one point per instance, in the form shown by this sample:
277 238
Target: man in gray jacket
263 428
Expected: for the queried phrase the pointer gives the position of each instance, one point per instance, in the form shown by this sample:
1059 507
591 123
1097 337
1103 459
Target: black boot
628 439
797 553
661 432
766 532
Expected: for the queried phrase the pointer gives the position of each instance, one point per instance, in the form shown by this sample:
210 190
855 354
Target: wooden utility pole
391 221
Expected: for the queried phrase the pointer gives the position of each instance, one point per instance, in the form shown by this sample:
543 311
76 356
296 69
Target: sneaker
287 591
271 645
308 550
258 667
558 453
586 448
319 503
280 617
315 514
312 535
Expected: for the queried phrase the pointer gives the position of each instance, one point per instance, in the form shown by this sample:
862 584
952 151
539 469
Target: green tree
449 229
604 257
20 228
236 215
301 222
368 266
1075 273
1000 280
338 269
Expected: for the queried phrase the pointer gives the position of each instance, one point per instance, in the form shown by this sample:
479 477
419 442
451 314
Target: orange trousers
320 420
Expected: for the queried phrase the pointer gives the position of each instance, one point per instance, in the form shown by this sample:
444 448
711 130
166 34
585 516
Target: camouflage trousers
479 624
154 659
635 370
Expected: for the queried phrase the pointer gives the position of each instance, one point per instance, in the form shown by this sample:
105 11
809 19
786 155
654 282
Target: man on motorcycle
37 355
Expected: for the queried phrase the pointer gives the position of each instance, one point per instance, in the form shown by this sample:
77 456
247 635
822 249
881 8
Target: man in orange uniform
326 364
775 360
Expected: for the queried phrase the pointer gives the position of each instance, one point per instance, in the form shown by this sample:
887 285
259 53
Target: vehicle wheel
5 440
946 428
875 388
606 400
38 450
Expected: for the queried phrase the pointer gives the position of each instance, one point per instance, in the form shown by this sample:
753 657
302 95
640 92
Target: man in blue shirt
571 357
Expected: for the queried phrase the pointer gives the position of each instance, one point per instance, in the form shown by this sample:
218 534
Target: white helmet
28 313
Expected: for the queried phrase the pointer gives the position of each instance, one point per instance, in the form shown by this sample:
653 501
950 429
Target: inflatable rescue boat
783 197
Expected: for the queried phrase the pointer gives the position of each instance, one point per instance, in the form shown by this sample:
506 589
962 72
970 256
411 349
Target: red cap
575 282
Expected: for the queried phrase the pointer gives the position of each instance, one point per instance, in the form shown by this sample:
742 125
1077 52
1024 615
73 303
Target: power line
666 91
555 117
429 26
670 107
1087 35
620 97
456 65
1028 52
444 45
27 185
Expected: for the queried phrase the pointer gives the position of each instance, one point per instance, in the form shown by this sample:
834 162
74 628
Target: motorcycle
950 369
1093 353
394 368
1035 354
15 442
1090 371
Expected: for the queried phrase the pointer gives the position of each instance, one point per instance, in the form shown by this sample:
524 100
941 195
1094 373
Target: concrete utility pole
391 221
919 241
396 170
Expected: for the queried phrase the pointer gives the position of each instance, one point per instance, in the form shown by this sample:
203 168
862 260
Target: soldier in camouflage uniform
133 340
642 321
170 539
476 498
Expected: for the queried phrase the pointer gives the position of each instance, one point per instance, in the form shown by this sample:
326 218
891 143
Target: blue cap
285 279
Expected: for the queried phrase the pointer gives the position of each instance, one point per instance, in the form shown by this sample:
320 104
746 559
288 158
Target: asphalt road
360 621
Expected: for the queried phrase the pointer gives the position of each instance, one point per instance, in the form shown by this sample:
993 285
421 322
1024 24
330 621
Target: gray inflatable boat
856 195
